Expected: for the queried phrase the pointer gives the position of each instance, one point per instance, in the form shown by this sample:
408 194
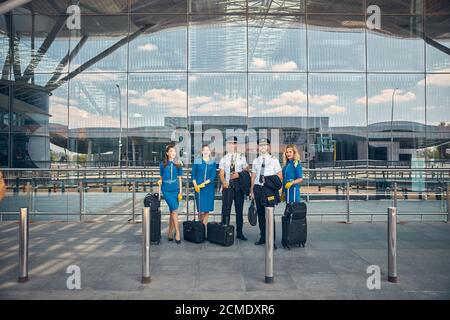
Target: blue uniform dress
290 173
170 185
201 171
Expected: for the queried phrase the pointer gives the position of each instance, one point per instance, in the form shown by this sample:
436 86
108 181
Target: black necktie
261 175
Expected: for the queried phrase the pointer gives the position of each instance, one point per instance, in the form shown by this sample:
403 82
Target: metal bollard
392 244
146 245
29 196
269 245
348 202
448 203
23 245
80 187
395 195
133 201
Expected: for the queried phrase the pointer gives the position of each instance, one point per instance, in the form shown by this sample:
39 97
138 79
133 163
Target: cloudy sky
216 83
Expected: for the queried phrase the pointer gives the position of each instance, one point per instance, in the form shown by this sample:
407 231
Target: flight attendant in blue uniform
171 173
203 176
292 174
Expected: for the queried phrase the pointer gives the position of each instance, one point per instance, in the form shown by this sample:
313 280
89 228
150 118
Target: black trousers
258 193
228 196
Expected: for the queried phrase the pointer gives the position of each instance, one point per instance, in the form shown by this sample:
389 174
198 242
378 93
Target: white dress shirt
271 166
225 164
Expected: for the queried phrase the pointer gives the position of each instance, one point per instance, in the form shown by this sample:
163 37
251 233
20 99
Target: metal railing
344 185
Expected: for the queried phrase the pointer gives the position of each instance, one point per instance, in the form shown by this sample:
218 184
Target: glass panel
398 115
31 149
51 7
43 47
159 48
97 117
437 7
438 116
337 112
280 7
159 6
105 49
438 43
398 6
217 95
335 6
277 43
4 47
156 106
398 46
4 149
218 45
278 101
217 6
4 105
336 43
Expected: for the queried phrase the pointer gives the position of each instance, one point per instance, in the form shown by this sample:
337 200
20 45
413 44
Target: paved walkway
332 266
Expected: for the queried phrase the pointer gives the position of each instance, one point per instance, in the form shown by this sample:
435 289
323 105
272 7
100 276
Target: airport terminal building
98 82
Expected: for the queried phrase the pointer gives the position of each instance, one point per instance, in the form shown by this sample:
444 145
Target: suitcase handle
287 196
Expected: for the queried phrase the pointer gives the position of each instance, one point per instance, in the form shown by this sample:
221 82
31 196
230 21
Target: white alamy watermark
374 280
374 20
215 138
73 22
74 280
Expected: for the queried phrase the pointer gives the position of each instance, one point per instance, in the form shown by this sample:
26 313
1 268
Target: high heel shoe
169 238
178 241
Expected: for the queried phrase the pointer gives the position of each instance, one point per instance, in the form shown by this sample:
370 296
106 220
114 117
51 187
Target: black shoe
260 241
178 241
242 237
170 239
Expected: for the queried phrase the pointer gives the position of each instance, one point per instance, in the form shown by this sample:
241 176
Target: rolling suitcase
153 200
220 234
194 231
294 225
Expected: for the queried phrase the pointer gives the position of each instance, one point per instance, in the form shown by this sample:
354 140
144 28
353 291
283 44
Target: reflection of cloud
148 47
386 96
101 76
298 96
173 100
79 118
259 63
285 110
332 110
227 105
289 97
324 99
283 67
442 80
83 119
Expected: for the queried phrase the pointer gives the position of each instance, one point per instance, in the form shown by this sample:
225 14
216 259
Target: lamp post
392 125
120 124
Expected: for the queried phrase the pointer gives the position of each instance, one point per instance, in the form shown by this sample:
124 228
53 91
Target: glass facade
316 71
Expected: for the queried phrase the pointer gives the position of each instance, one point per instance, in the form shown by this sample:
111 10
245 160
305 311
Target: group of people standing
261 183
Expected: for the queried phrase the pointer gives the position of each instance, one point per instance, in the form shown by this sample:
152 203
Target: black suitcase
294 232
194 231
153 201
220 234
294 225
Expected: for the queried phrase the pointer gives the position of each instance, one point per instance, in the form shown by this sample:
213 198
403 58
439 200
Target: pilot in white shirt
230 166
264 165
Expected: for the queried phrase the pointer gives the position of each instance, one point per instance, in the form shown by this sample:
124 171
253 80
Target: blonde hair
296 153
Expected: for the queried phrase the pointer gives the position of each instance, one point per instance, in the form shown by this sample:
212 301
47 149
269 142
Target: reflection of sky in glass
218 48
409 99
338 96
